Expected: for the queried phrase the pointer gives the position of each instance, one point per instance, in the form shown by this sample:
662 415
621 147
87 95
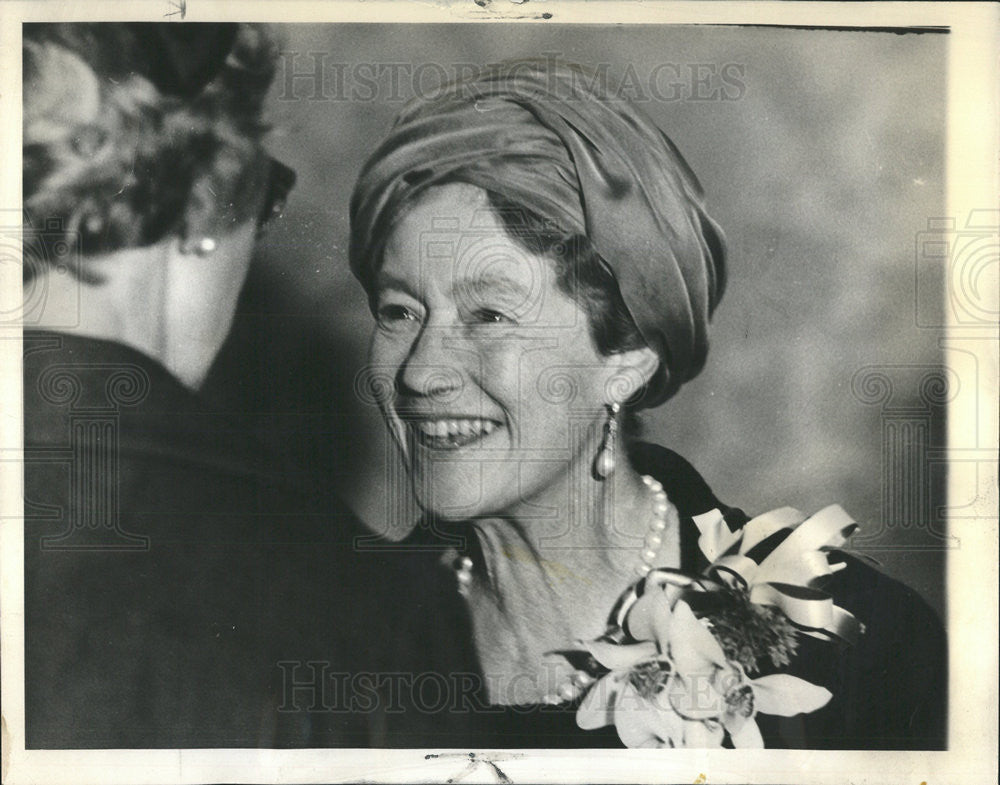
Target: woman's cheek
500 357
497 377
385 358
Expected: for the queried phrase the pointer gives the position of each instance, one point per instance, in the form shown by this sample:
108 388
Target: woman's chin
449 471
454 490
451 491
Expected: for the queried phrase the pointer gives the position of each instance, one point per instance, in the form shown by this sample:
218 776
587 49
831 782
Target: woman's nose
433 369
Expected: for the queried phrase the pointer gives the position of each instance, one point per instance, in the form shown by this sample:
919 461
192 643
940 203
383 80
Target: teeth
443 429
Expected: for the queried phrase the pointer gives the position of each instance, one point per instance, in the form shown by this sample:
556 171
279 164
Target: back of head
132 130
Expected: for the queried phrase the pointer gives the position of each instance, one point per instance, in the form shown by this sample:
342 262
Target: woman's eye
489 316
394 314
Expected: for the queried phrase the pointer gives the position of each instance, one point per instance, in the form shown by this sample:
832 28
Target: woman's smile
450 433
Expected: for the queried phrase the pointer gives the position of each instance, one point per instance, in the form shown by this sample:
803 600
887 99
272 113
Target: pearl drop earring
604 466
203 247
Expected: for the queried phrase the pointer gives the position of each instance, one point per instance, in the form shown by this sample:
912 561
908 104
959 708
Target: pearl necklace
650 547
579 681
654 537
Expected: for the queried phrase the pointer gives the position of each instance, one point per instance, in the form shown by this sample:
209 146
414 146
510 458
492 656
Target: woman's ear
217 207
628 372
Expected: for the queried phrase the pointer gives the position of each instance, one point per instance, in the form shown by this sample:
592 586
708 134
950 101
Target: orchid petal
746 735
702 735
649 618
669 727
787 696
635 719
597 707
616 657
694 698
692 646
671 582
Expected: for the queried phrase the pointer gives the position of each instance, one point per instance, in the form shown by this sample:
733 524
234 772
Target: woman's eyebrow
385 280
497 285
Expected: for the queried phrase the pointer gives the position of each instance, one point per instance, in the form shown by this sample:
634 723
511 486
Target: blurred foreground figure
175 586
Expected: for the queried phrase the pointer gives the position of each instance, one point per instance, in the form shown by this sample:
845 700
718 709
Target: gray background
823 172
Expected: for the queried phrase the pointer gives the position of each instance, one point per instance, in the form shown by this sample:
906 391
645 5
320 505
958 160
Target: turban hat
546 136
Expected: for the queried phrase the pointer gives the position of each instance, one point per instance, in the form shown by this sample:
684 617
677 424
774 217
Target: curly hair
111 159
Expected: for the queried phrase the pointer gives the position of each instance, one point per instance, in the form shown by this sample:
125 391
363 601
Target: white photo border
973 174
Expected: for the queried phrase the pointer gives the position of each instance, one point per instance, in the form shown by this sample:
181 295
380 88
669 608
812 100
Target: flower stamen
649 678
739 701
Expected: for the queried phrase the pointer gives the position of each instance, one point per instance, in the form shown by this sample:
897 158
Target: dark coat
176 586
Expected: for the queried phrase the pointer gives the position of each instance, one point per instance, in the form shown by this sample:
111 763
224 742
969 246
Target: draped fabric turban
548 137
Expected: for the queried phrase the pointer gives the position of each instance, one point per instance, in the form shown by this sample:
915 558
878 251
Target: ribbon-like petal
763 526
829 528
806 607
801 568
735 569
716 538
615 656
786 695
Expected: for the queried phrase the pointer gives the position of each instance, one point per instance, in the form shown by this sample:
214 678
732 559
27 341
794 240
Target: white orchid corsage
677 666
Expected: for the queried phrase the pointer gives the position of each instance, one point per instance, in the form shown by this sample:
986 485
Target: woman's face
497 389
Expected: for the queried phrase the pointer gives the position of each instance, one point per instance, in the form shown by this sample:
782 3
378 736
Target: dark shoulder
686 488
889 688
904 637
859 582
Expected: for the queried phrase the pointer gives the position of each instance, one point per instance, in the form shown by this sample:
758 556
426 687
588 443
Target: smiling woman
468 343
541 267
